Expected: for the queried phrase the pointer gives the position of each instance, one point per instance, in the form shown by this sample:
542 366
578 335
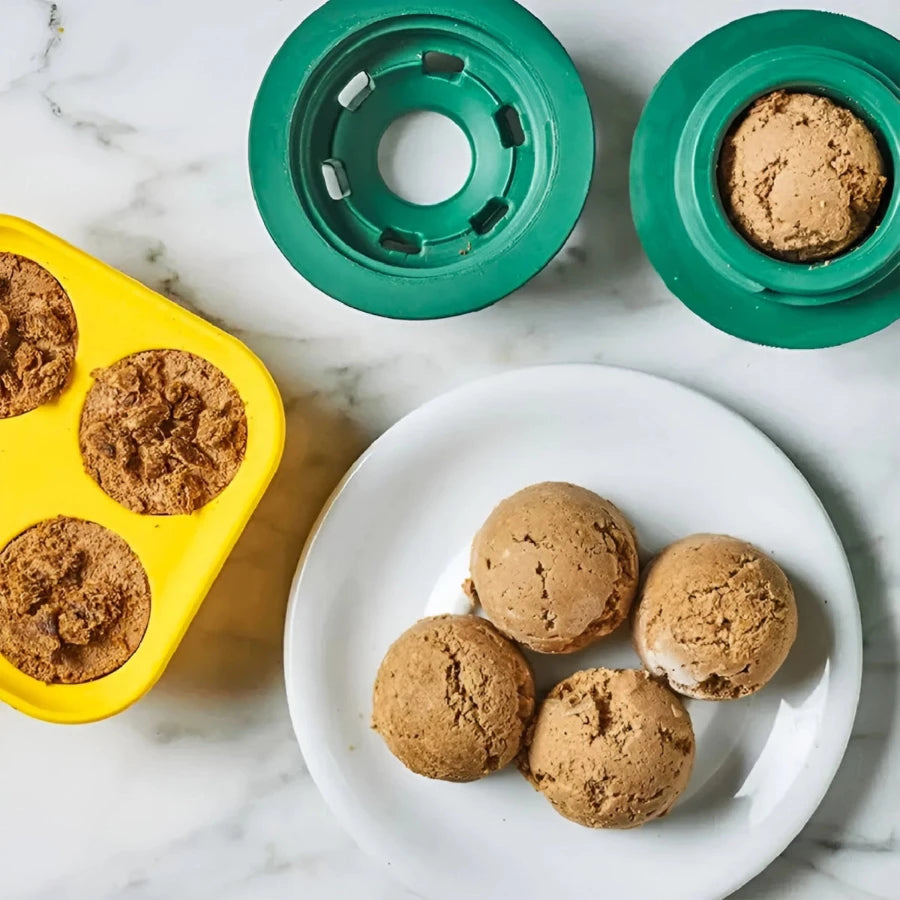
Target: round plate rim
294 684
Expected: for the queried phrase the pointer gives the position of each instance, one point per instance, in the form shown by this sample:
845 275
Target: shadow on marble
604 246
234 645
149 260
833 824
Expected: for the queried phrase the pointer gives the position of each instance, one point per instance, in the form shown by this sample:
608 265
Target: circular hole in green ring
424 158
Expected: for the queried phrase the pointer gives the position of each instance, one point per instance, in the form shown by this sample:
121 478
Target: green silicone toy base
679 215
496 72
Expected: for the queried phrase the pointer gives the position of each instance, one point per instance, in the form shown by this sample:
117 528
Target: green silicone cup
494 70
675 199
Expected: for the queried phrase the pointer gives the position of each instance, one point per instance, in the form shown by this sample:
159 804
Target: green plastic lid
674 192
332 92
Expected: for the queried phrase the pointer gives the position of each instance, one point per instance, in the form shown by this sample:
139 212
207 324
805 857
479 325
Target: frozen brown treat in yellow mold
611 748
163 432
716 617
74 601
38 336
453 698
555 567
801 177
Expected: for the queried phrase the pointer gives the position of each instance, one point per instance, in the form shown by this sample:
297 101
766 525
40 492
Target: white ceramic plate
392 546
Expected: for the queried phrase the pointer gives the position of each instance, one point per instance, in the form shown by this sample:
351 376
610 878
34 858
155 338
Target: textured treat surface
74 601
611 748
163 432
38 336
801 177
453 698
555 567
716 617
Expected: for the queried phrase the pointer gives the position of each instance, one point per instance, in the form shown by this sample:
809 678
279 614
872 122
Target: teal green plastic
372 249
674 192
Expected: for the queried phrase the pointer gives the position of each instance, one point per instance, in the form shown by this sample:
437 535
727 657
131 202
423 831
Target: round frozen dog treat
163 432
611 748
74 601
555 567
38 335
716 617
453 698
801 177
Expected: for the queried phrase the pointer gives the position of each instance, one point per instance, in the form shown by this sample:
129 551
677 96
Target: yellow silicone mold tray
41 473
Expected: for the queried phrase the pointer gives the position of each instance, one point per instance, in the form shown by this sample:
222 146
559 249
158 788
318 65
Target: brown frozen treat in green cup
801 177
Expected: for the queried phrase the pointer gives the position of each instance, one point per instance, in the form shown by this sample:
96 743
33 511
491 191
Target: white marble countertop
124 130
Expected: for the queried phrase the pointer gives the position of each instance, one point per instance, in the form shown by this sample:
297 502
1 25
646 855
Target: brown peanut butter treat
555 567
801 177
453 698
38 336
716 617
611 748
74 601
163 432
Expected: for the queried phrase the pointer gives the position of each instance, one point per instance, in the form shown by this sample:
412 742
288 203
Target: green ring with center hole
675 198
493 69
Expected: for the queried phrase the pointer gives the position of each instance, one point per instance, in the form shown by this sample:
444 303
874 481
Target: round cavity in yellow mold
133 404
41 473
